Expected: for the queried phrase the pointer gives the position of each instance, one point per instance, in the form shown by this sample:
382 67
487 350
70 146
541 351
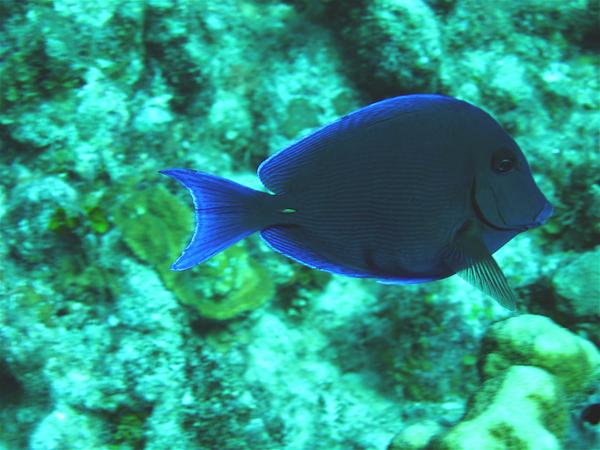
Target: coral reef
400 40
537 341
155 225
521 408
102 346
533 370
577 287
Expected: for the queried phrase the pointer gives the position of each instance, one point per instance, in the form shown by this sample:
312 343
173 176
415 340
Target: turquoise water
103 347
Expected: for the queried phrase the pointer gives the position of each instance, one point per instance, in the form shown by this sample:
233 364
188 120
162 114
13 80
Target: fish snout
544 214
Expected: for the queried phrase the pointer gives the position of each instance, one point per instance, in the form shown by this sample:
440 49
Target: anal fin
295 243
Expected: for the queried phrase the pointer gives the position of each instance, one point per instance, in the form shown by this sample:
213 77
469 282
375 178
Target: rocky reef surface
102 346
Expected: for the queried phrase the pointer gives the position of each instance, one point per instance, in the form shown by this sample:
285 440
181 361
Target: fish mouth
543 216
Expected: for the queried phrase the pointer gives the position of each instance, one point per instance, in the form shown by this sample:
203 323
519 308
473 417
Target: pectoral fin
472 261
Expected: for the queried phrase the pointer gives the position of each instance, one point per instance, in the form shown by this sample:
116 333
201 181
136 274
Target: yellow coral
155 225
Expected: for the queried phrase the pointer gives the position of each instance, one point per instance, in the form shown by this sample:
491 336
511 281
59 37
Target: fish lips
511 207
543 216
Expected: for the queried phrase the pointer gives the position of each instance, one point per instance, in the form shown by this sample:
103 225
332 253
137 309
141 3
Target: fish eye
503 161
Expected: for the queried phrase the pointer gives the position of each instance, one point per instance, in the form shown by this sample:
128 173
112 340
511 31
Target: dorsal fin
276 171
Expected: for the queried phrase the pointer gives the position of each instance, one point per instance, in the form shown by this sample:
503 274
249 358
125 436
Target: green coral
129 431
506 434
63 221
97 219
224 287
509 412
533 370
92 218
155 225
29 72
537 341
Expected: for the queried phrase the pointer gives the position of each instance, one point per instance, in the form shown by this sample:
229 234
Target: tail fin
226 212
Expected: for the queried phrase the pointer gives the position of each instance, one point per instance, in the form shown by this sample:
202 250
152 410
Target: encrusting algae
155 223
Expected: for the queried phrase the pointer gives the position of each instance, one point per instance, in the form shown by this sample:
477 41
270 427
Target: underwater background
102 346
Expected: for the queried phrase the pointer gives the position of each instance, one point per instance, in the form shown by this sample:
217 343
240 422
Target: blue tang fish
407 190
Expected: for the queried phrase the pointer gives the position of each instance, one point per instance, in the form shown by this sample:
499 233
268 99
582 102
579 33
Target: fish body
410 189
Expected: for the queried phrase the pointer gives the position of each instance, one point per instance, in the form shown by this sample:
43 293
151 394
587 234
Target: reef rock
537 341
578 286
533 370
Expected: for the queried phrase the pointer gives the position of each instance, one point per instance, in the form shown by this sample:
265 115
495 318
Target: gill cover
510 201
